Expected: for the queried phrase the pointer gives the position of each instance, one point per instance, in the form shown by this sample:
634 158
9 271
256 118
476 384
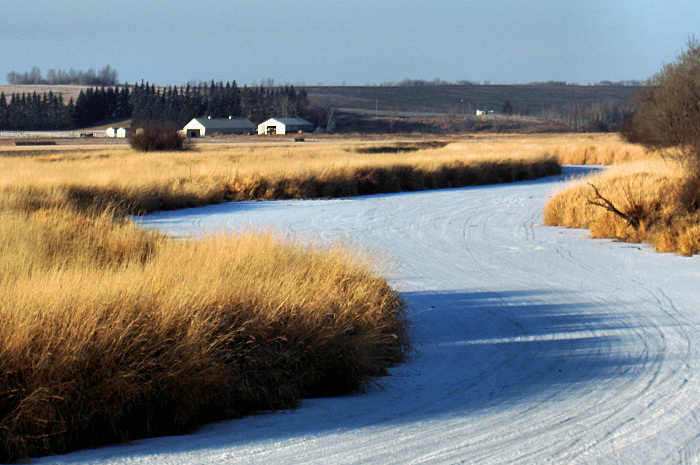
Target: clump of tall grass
112 333
650 191
132 183
592 149
599 153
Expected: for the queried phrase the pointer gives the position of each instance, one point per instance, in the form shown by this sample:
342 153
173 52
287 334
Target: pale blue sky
356 42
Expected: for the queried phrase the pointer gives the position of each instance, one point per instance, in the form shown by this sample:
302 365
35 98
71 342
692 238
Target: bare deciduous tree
668 115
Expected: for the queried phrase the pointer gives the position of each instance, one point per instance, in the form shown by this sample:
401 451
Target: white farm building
201 127
122 133
285 126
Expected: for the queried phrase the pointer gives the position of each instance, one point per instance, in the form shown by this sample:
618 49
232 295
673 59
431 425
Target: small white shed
111 132
201 127
284 126
123 133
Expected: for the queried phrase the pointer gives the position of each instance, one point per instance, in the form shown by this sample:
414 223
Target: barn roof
225 123
291 121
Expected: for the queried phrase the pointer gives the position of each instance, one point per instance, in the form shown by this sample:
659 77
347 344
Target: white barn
285 126
111 132
201 127
123 133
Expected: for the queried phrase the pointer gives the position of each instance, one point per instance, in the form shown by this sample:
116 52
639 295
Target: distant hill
532 100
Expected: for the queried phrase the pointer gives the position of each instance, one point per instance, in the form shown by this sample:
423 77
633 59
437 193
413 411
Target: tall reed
131 183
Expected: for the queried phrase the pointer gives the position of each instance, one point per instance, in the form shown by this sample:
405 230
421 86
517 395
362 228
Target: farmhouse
201 127
284 126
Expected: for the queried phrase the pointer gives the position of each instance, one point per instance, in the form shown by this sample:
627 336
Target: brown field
68 92
111 333
533 100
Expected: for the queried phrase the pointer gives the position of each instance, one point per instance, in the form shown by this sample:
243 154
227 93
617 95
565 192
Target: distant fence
50 134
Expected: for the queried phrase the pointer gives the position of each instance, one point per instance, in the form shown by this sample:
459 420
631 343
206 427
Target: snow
532 344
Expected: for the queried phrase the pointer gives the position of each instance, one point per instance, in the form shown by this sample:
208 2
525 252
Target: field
532 100
68 92
112 332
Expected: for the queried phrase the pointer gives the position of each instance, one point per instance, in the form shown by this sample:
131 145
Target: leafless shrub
668 115
150 136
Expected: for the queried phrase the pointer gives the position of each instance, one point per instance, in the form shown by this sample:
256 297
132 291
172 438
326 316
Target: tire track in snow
534 344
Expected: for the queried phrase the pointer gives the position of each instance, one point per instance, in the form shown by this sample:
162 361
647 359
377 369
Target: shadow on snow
475 351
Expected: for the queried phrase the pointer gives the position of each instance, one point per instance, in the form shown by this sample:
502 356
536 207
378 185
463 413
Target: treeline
591 117
38 112
178 105
147 102
105 77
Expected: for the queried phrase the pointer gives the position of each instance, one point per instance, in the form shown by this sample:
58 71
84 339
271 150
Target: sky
335 42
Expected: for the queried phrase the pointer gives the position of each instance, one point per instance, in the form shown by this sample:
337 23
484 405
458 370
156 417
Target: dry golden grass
112 333
129 182
650 189
590 149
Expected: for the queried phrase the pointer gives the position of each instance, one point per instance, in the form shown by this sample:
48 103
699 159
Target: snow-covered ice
532 344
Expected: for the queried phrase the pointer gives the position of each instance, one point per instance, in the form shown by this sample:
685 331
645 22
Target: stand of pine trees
146 102
33 111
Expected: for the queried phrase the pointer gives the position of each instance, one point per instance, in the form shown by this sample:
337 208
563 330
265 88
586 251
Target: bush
151 136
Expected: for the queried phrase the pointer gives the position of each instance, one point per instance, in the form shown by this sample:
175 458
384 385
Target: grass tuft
112 333
652 190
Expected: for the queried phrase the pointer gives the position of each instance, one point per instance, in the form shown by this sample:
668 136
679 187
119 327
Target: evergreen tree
3 110
144 102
